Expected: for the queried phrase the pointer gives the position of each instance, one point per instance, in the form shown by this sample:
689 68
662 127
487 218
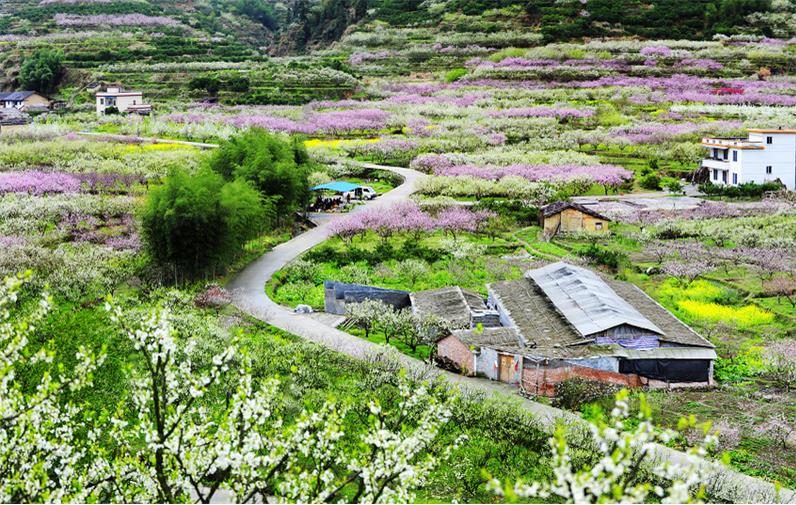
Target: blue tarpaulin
340 186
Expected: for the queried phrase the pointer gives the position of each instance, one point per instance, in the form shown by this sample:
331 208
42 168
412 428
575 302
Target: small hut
568 217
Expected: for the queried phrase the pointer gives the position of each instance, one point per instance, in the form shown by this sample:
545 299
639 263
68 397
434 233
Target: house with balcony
766 155
118 100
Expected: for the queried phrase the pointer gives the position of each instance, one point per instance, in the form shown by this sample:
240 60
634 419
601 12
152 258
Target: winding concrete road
248 288
249 295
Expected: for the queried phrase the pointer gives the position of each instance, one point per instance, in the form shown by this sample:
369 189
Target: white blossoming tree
180 449
193 431
40 444
624 470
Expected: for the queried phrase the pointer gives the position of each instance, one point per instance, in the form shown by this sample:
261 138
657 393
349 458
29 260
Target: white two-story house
766 155
122 101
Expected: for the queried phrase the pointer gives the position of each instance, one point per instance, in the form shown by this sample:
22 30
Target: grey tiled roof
547 333
556 207
500 339
16 96
13 116
452 304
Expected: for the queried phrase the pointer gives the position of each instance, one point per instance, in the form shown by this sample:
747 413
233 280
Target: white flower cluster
38 433
193 431
625 470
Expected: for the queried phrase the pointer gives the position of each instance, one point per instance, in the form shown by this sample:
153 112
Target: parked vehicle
361 193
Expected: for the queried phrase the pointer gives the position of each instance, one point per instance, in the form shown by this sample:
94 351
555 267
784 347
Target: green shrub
650 181
455 74
602 256
745 190
508 52
673 185
573 393
276 166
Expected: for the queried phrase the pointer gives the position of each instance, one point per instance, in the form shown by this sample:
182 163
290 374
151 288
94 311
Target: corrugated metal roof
585 300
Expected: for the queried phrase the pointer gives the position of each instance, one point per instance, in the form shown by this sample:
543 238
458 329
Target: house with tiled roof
24 100
563 321
569 217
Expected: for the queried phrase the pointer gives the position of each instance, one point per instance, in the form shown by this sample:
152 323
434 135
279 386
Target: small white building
766 155
123 101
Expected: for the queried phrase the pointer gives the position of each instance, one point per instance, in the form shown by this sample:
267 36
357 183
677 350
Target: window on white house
768 169
102 101
715 175
735 156
769 140
735 178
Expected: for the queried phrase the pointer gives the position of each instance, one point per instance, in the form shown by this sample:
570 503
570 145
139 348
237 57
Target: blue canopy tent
338 186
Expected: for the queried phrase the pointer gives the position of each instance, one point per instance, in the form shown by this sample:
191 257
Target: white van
361 193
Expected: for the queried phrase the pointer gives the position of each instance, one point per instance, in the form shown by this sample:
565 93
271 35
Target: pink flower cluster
360 58
114 20
38 183
656 133
600 174
406 217
542 111
318 122
415 99
657 51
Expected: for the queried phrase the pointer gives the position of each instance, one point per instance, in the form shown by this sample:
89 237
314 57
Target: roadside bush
573 393
745 190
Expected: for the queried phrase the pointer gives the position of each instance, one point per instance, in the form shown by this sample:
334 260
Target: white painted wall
750 165
122 102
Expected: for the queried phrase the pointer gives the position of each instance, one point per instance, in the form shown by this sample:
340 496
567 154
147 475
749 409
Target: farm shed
337 294
567 217
567 321
493 352
461 308
12 118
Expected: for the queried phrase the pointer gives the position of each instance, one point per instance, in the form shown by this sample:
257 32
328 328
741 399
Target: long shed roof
586 301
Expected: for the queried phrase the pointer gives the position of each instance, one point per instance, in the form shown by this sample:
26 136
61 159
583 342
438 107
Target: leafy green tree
196 222
278 168
42 71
